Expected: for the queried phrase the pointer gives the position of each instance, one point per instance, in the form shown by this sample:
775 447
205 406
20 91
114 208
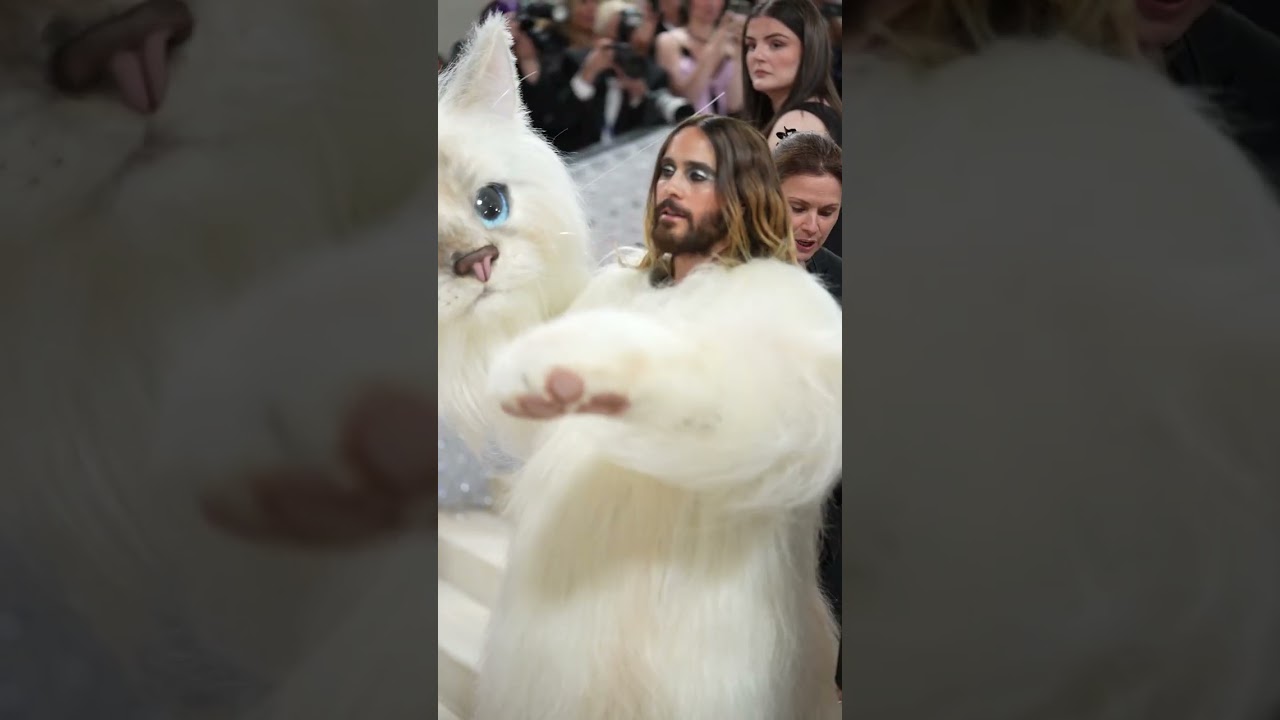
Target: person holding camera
650 25
543 32
702 59
611 86
546 33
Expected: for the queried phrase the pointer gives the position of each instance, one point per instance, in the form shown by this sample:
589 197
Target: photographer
539 48
543 33
644 37
613 86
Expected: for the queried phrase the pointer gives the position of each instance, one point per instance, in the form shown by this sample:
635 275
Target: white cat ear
484 78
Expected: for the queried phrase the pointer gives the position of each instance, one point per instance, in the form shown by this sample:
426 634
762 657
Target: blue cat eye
492 206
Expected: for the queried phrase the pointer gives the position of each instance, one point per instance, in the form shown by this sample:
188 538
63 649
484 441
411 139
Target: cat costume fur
662 561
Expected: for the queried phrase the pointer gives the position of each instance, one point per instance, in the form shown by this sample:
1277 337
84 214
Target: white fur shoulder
774 297
772 280
762 289
617 280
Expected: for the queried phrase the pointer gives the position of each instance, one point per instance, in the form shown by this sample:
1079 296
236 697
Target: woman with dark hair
786 76
786 60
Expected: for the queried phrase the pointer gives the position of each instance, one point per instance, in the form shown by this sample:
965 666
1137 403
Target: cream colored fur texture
663 563
544 261
1065 500
663 560
291 126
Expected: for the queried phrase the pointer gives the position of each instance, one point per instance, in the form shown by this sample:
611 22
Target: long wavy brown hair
756 217
932 32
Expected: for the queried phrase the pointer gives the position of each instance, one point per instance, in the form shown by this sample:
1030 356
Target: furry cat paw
594 362
564 391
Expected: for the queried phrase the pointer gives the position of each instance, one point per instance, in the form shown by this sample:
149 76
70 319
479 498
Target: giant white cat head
171 113
513 235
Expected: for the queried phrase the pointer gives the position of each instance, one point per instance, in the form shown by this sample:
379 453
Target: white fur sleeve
732 380
757 408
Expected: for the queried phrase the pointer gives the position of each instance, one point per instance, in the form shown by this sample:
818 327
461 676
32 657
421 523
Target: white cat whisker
621 162
713 102
526 77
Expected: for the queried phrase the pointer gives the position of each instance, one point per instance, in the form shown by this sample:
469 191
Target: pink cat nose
478 263
129 53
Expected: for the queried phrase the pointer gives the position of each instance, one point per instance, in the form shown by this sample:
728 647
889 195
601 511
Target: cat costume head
513 247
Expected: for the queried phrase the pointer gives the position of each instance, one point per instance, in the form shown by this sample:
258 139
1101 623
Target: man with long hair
715 194
688 413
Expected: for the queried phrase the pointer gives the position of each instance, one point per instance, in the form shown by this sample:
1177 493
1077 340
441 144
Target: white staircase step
473 553
445 714
462 623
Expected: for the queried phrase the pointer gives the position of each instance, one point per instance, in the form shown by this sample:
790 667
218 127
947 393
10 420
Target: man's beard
698 239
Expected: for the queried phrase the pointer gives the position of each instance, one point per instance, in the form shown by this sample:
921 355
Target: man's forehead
691 147
691 161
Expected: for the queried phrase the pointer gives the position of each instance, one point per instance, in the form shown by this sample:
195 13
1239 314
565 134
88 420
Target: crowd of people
593 71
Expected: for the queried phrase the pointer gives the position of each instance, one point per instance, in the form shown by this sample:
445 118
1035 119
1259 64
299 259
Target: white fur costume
663 562
1066 478
290 126
674 545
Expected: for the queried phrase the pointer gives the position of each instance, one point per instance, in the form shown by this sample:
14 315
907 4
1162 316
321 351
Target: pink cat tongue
142 76
483 269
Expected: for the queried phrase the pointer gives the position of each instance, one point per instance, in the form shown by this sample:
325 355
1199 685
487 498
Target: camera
672 108
532 15
739 7
631 63
537 19
831 10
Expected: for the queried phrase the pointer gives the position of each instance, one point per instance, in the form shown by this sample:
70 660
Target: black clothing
827 266
572 124
1266 13
1236 63
829 117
